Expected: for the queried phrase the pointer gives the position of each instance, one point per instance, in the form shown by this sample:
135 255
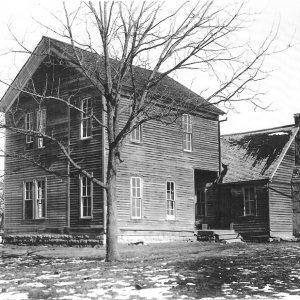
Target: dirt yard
162 271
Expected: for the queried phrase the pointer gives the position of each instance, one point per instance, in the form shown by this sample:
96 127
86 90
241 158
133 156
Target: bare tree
137 48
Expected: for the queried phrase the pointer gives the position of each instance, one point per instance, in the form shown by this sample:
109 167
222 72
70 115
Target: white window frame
187 127
84 195
41 126
40 200
86 118
136 135
169 215
29 126
136 198
247 202
35 198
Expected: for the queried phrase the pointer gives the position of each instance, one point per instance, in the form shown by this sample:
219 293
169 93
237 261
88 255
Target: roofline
284 153
258 131
33 62
27 70
266 179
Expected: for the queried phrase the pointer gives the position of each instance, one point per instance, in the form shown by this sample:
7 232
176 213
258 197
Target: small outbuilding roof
255 155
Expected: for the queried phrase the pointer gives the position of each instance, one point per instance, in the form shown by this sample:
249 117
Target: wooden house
258 195
163 167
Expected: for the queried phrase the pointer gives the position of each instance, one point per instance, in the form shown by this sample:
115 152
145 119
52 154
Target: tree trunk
112 253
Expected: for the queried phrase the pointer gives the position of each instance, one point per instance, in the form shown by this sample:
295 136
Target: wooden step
237 240
228 236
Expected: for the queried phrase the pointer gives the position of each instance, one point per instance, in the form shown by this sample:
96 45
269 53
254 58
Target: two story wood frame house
163 168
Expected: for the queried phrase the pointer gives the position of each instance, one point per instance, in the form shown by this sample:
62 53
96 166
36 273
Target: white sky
282 87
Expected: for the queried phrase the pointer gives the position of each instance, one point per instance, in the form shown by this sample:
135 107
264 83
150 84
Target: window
86 118
29 127
170 200
41 126
86 197
187 127
136 197
201 202
28 201
249 201
136 134
35 199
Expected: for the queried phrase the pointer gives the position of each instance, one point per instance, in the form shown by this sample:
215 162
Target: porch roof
255 155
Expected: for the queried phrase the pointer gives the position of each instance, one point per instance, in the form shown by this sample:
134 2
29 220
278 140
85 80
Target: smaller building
259 190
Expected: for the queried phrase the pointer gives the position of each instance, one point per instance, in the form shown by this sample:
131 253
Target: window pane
28 209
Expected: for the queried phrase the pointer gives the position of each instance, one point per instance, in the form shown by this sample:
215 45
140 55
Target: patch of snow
34 284
48 276
278 133
6 281
64 283
14 296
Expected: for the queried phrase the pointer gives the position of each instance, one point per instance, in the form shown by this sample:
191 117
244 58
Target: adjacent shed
255 196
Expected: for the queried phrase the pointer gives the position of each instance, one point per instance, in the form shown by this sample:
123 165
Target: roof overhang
26 72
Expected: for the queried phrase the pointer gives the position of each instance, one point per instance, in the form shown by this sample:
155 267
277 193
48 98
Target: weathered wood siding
64 124
158 159
88 154
281 207
18 170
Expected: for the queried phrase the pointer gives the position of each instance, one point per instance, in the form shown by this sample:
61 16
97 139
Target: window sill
86 218
247 216
187 151
86 138
136 219
136 142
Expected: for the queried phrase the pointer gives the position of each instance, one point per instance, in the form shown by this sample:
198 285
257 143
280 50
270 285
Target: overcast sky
282 87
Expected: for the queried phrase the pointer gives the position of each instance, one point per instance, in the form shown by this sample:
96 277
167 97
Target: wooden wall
281 208
18 170
87 153
158 159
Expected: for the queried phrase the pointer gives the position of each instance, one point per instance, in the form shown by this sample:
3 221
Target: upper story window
170 200
86 197
41 126
35 199
86 118
136 187
136 135
29 127
249 201
187 126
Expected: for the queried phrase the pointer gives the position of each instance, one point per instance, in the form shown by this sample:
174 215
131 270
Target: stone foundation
136 236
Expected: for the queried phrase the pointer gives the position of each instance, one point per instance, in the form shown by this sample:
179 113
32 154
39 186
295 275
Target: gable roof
49 46
255 155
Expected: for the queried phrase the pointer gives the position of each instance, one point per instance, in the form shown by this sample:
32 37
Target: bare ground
160 271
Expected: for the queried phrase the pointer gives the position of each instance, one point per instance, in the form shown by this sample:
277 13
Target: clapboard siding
18 170
158 159
88 154
281 207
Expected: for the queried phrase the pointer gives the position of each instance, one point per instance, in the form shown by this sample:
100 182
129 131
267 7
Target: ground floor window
136 188
35 199
249 201
86 197
170 200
